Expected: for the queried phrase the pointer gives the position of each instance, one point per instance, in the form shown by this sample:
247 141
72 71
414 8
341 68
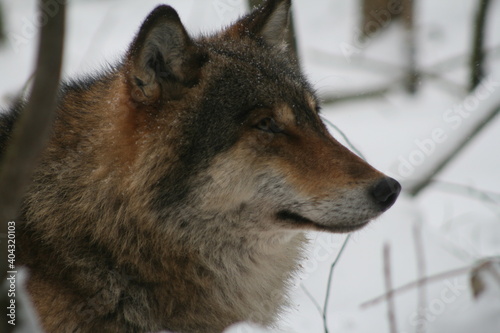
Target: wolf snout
385 192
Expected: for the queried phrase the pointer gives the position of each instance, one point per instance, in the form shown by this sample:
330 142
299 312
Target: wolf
177 185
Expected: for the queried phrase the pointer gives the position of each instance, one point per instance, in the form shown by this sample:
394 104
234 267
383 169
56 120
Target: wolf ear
162 55
268 23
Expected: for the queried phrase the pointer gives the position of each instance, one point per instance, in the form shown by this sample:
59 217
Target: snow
458 228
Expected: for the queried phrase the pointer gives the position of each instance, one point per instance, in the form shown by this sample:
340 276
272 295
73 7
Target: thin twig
413 284
421 273
391 308
330 276
313 300
469 191
23 93
357 95
349 143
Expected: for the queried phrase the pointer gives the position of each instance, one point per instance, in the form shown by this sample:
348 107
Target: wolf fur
177 185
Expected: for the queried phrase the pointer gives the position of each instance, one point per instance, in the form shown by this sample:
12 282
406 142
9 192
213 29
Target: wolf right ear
268 23
162 54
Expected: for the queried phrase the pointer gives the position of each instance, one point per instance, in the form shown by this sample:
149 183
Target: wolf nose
385 192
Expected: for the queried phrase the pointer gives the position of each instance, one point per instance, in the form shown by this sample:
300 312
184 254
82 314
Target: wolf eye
268 124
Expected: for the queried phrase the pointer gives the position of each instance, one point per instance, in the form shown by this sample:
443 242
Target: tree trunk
30 133
410 47
376 15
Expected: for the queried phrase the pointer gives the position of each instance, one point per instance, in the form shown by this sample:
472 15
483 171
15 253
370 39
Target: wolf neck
212 285
247 279
222 276
238 275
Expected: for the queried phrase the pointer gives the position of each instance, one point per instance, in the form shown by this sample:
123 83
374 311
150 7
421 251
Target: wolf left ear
162 59
268 23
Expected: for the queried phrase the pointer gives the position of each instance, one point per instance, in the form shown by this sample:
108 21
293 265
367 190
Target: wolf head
180 182
242 128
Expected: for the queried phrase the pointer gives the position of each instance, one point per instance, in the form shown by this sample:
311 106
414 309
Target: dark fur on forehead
241 76
264 75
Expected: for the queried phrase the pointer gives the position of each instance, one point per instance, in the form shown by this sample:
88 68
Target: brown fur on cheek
319 165
135 127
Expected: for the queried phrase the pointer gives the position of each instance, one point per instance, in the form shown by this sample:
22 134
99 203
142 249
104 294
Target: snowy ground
458 228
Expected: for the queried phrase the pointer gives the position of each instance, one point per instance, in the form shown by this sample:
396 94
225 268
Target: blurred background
411 85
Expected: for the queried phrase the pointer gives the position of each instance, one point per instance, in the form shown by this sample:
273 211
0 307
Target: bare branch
357 95
313 300
391 308
376 65
411 285
421 271
469 191
410 46
348 142
477 58
332 267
